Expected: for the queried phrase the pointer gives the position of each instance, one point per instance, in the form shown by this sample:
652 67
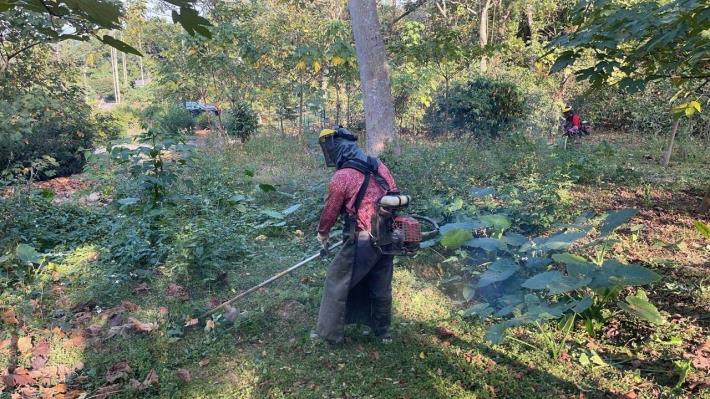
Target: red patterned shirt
342 191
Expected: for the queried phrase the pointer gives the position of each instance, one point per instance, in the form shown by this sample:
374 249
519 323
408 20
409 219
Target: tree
642 42
374 74
82 20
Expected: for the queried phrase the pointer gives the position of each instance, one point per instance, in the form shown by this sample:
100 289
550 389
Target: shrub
175 119
241 122
482 106
108 126
44 133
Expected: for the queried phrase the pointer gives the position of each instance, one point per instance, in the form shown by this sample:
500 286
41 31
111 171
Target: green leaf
567 258
27 254
683 369
481 310
468 292
455 238
639 306
248 173
555 282
107 14
562 240
582 304
616 274
272 214
563 60
267 188
514 239
616 219
487 244
466 225
192 22
498 221
499 270
119 45
702 228
128 201
291 209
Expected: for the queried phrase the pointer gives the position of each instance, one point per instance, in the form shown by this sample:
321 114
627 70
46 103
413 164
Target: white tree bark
483 34
374 74
667 155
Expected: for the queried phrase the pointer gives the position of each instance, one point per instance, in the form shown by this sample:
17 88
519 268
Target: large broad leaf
498 221
616 274
465 225
192 22
616 219
555 282
514 239
487 244
105 13
119 45
499 270
291 209
481 310
562 240
27 253
468 292
582 304
536 262
568 258
455 238
639 306
273 214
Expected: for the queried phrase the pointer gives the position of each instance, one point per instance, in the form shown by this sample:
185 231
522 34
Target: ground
132 331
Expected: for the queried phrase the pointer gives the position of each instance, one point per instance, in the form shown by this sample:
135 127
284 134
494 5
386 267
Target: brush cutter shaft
270 280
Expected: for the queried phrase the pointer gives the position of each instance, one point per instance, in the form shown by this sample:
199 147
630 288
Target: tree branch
410 10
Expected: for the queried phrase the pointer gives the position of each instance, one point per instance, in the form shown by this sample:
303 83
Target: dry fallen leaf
701 356
183 375
9 317
75 340
141 288
163 311
209 325
444 332
24 344
176 291
629 395
204 362
118 371
18 377
40 354
151 378
118 330
139 326
57 332
231 313
190 322
106 390
129 306
93 330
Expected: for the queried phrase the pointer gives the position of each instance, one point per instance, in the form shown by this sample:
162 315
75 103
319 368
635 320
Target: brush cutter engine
394 234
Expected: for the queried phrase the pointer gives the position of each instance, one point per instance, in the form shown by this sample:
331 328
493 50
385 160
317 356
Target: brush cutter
403 237
322 253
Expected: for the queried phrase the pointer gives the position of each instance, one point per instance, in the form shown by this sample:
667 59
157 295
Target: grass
436 353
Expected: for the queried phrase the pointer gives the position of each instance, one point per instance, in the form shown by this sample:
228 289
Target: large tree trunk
483 34
374 74
667 155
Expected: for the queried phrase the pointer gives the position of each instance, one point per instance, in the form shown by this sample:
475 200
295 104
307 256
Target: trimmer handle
325 250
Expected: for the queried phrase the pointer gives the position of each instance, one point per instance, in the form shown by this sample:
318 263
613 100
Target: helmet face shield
327 144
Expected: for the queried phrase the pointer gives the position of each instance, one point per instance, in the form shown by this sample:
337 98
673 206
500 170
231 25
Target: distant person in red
573 123
358 285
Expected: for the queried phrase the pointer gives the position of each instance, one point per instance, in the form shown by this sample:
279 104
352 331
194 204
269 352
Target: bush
482 106
175 119
44 134
108 127
241 122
